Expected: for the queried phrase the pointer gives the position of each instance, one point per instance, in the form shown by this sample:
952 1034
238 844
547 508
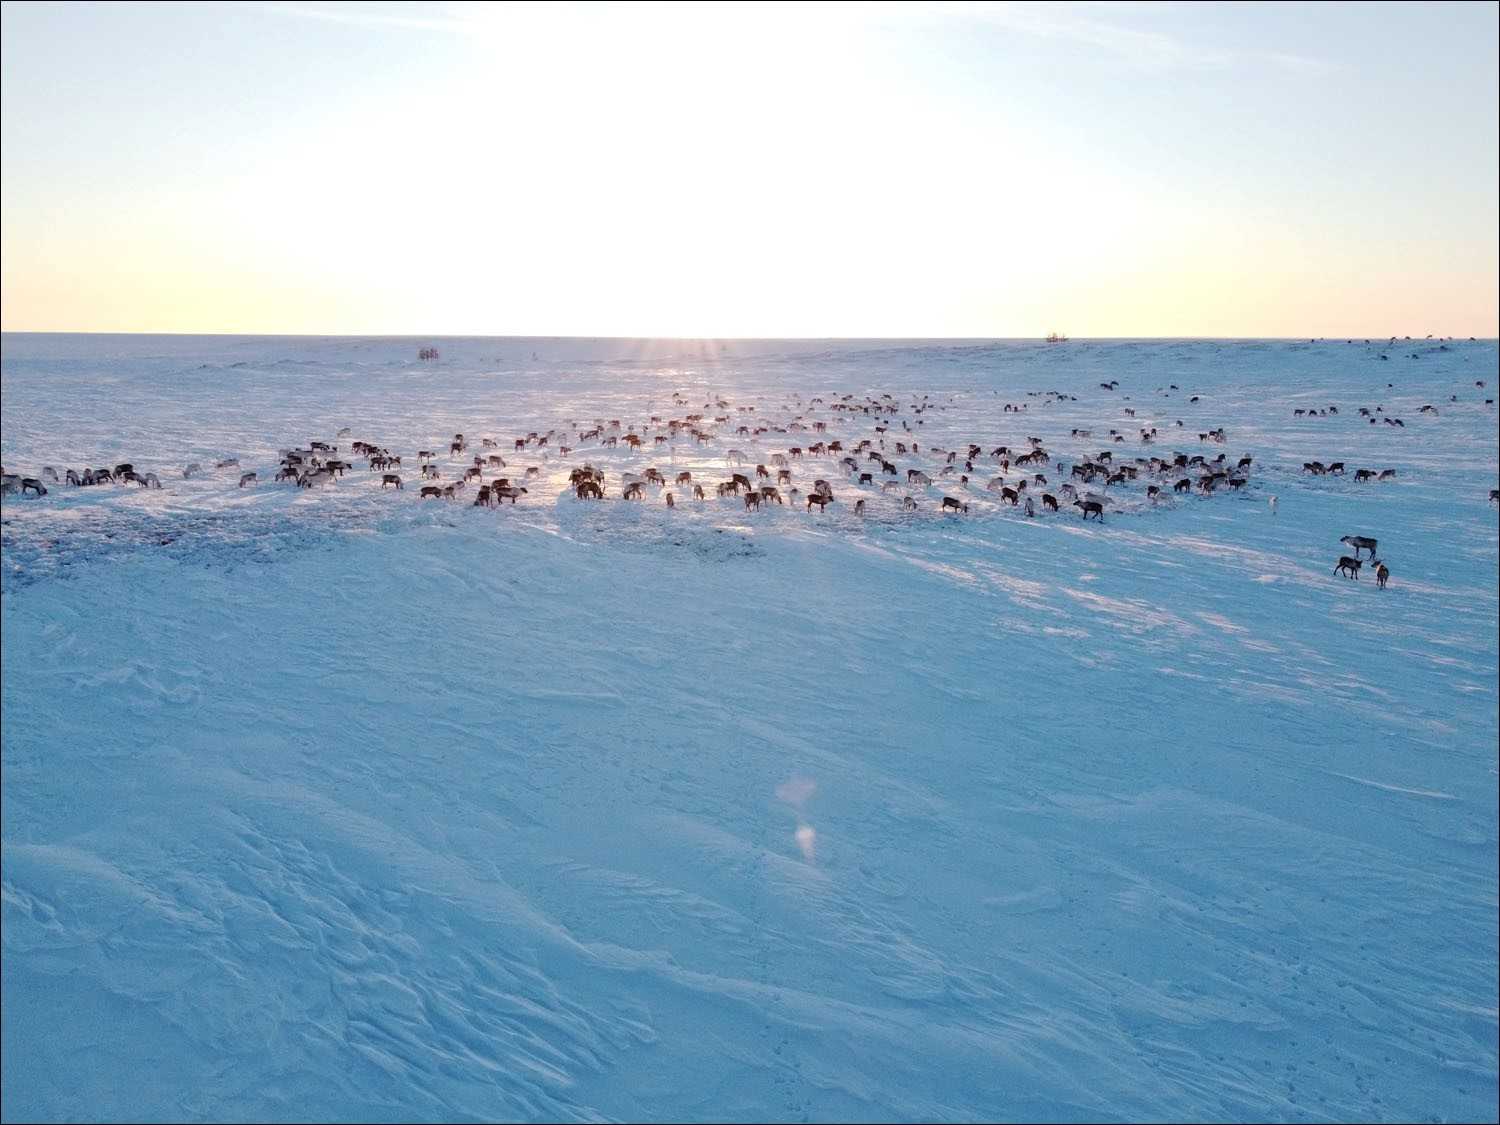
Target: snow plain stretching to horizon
343 804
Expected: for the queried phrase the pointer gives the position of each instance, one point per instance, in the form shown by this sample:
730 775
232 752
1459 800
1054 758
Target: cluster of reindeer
121 474
870 463
1336 469
1349 565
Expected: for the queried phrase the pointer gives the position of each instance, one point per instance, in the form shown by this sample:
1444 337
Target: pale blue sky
904 169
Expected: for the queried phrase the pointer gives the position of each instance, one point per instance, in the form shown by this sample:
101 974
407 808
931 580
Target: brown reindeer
821 499
1090 507
956 505
1348 566
752 500
389 479
431 492
1382 574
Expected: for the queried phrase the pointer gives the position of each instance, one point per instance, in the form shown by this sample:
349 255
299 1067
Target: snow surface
349 805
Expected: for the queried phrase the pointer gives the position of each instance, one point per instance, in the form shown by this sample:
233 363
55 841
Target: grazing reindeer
752 500
698 492
1090 507
1348 566
1050 502
956 505
1360 543
821 499
389 479
34 485
859 507
507 492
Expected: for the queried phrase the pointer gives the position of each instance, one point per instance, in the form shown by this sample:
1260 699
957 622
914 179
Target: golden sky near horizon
948 170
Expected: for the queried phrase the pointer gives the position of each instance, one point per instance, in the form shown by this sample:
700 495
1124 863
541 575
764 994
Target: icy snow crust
344 804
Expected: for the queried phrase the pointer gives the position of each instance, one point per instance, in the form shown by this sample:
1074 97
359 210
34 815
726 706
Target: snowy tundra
340 803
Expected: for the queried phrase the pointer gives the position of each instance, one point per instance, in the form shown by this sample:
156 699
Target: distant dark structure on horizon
427 353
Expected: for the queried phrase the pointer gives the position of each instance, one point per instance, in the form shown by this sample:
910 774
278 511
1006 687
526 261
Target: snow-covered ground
342 803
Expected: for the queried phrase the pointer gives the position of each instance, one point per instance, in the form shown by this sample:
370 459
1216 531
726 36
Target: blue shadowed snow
342 804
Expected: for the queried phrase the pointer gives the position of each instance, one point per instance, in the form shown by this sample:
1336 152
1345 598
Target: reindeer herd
871 465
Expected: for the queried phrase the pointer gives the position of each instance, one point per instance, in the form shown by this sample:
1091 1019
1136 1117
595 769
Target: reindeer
1050 502
698 492
1090 507
1382 572
752 500
588 489
1360 543
33 485
245 478
507 492
431 492
956 505
821 499
1348 566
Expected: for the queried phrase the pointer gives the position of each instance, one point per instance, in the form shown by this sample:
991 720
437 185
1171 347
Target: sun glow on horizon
676 172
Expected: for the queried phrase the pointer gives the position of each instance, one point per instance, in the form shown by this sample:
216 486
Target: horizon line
735 339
